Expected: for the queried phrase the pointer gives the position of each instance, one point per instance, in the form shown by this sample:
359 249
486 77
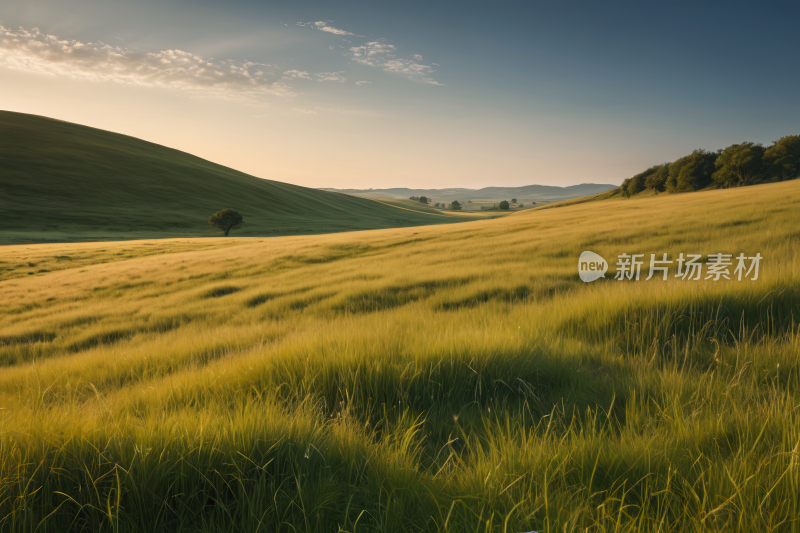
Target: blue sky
434 94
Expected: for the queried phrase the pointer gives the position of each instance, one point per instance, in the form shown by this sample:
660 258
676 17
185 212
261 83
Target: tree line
455 204
735 166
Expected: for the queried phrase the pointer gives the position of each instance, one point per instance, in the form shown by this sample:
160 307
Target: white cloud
34 51
323 26
304 110
296 74
362 82
373 53
331 76
382 55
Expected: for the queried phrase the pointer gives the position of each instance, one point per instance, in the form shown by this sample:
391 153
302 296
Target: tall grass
449 379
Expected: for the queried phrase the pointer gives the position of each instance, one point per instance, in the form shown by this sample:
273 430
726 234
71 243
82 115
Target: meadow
449 378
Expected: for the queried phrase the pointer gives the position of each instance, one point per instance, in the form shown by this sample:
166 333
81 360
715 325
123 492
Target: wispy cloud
362 82
34 51
323 26
331 76
382 55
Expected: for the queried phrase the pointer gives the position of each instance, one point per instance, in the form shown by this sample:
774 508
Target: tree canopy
737 165
657 180
226 220
692 172
637 183
740 164
783 158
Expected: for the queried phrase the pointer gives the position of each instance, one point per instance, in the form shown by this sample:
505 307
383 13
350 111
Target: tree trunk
226 232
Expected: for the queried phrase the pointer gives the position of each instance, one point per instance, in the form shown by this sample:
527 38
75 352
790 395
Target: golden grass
441 378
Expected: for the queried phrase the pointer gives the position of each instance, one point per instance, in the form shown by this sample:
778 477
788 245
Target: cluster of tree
455 204
421 199
735 166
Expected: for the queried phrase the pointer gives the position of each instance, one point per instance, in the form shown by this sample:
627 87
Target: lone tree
423 199
455 205
503 205
226 220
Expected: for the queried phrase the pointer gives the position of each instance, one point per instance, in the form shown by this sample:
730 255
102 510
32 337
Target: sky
419 94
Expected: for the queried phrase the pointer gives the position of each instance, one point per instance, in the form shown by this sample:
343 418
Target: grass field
64 182
454 378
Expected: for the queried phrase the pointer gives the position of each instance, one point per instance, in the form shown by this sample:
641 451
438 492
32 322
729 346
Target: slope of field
449 378
416 206
613 193
66 182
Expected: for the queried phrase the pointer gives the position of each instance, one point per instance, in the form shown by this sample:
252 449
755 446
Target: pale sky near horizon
411 94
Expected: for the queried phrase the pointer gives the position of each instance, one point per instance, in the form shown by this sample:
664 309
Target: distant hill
66 182
545 193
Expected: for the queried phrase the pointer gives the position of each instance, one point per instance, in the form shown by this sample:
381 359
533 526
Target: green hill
66 182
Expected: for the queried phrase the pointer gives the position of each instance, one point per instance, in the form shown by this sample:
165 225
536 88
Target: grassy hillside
66 182
416 206
450 378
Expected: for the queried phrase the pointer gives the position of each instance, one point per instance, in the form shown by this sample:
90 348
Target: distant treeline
735 166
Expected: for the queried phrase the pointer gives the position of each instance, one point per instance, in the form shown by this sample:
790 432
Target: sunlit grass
448 378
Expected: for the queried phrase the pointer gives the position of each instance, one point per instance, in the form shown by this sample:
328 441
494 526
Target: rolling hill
66 182
537 193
